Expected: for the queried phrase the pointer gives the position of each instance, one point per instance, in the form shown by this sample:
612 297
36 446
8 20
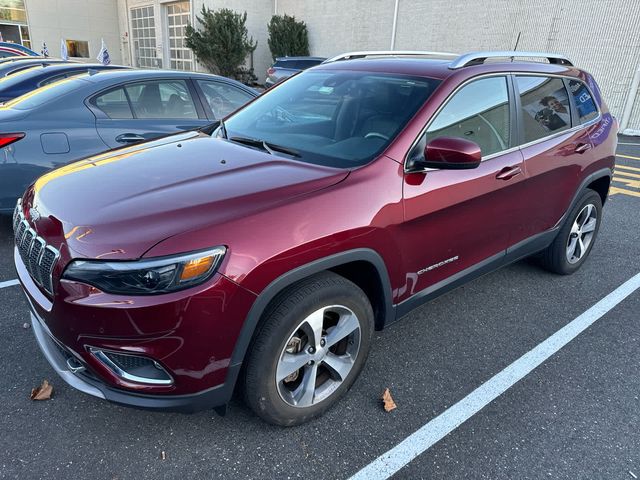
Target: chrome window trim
511 149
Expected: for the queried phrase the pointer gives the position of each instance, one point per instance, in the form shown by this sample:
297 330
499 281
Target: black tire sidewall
559 246
261 391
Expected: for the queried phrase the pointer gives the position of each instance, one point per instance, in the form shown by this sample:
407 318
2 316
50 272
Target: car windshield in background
334 118
45 94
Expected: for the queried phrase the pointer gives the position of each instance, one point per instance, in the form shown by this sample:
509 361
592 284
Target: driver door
457 220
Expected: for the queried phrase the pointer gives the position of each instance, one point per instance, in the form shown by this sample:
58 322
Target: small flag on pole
1 39
103 54
45 50
64 55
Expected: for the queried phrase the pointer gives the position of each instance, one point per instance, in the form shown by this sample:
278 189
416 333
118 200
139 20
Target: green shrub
287 37
222 43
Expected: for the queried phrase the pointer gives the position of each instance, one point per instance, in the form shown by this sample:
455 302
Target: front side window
222 98
335 118
585 105
163 99
478 112
545 106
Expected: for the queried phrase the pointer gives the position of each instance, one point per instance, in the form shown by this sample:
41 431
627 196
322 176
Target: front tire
575 240
311 346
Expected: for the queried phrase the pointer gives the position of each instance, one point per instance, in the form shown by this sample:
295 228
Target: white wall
88 20
601 37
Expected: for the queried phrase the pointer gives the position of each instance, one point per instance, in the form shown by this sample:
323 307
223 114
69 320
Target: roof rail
387 53
475 58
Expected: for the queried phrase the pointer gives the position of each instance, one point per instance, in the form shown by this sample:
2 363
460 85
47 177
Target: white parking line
9 283
636 144
417 443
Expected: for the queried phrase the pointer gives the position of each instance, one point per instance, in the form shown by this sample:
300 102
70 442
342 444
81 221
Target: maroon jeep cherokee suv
262 252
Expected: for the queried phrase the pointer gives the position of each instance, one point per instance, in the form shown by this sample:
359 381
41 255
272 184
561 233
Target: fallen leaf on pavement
389 404
163 455
43 392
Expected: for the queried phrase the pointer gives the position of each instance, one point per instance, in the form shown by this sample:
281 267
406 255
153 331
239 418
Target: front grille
38 257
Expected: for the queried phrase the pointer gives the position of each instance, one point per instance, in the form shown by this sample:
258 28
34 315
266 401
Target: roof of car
440 67
133 74
319 59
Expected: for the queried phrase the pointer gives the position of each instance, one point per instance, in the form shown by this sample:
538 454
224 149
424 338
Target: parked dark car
9 49
284 67
87 114
34 77
13 65
266 253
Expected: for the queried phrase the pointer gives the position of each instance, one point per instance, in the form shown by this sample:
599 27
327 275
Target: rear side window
114 104
479 112
164 99
545 106
585 104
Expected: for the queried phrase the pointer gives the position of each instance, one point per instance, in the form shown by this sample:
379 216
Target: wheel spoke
581 247
291 362
313 326
346 325
339 366
589 226
587 215
571 248
307 388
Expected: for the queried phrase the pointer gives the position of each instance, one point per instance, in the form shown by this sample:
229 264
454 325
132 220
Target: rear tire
310 347
575 239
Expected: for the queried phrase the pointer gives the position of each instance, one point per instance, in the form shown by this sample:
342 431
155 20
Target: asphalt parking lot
575 416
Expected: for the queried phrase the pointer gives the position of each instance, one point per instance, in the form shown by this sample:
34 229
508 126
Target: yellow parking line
624 167
627 174
624 191
627 156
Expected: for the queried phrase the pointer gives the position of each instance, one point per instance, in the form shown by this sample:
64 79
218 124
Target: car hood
121 203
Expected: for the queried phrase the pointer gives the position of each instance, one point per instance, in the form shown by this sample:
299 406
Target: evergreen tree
287 37
222 43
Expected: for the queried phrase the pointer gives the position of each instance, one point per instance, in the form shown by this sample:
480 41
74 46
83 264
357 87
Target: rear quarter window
585 103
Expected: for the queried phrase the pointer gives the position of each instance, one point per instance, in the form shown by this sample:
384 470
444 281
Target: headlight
147 276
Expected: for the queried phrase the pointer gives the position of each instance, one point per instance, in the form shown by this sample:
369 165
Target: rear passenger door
555 145
456 219
141 111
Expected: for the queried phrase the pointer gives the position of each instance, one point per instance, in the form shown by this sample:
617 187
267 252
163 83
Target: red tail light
271 71
9 138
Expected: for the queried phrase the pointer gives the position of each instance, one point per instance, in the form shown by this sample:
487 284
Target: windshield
334 118
45 94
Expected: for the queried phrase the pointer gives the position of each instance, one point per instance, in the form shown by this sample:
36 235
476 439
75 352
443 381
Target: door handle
582 147
129 138
509 172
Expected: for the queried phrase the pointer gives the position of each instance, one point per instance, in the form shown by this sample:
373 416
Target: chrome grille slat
39 258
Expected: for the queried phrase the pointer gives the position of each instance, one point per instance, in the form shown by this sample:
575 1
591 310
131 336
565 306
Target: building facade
81 23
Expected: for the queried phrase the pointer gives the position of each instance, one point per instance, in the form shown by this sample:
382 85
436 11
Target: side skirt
510 255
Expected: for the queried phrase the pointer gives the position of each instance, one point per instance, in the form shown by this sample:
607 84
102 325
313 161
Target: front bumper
59 358
191 334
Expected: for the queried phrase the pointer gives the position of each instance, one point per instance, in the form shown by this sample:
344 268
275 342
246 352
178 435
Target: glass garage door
178 17
143 36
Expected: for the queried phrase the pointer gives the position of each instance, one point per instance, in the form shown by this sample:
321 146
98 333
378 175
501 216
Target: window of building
178 17
587 109
478 112
143 36
545 106
13 11
78 48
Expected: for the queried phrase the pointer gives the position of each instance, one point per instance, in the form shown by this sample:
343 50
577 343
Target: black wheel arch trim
289 278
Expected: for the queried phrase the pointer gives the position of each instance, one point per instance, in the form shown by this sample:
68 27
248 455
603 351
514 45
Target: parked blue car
90 113
24 81
9 49
12 65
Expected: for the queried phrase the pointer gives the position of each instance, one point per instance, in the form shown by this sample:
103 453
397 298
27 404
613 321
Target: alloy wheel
318 356
581 234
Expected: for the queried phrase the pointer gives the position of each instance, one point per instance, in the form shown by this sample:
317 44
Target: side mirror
450 153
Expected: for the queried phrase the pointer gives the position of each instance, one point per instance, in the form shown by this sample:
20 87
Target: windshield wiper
266 146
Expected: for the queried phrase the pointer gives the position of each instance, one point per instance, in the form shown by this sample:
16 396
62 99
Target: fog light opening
133 368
